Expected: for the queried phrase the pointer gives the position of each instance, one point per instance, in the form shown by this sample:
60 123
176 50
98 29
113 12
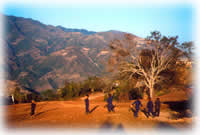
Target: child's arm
132 104
113 95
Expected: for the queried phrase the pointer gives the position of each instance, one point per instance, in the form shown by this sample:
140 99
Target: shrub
17 95
48 95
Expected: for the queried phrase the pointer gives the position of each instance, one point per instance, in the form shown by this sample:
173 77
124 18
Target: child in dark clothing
87 104
33 105
157 107
110 105
150 107
137 104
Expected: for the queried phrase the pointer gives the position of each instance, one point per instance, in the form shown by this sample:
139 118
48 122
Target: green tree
48 95
188 48
69 90
17 94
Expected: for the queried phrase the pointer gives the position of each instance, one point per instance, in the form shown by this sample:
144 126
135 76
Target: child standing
157 107
150 107
87 104
33 105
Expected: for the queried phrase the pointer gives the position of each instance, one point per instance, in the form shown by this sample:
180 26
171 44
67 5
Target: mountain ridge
44 56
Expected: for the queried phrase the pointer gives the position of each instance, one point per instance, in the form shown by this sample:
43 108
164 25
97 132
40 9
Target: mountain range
43 56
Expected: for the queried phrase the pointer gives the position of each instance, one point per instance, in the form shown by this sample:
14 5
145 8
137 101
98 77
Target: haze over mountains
44 56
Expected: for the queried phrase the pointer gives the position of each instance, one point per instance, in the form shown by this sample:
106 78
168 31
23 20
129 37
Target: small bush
48 95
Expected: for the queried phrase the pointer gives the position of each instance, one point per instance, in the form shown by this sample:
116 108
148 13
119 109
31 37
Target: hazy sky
170 20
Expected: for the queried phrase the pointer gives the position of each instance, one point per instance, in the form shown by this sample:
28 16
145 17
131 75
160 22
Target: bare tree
144 60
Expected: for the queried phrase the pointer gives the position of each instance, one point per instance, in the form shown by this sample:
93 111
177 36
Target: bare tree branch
147 64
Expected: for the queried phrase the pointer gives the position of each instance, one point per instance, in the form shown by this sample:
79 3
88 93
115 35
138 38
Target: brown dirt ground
71 114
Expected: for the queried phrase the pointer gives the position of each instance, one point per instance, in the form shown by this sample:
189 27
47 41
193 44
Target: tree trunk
145 95
151 90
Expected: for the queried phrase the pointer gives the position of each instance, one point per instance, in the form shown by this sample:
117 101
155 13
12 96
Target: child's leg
87 109
32 111
136 113
109 108
113 108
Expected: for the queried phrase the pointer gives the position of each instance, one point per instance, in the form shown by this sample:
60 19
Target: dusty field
71 114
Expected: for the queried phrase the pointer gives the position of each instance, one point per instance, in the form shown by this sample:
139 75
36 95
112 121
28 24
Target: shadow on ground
144 111
93 109
183 108
37 114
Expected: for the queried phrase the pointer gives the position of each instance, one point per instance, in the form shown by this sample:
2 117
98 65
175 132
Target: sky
170 20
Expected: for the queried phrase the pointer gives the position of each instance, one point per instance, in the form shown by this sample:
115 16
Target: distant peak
83 31
115 31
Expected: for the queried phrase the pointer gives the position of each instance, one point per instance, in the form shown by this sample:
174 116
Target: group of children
150 105
135 109
110 106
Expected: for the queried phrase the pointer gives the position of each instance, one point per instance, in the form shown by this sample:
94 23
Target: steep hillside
43 56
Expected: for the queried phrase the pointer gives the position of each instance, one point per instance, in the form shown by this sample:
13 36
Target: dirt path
71 114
